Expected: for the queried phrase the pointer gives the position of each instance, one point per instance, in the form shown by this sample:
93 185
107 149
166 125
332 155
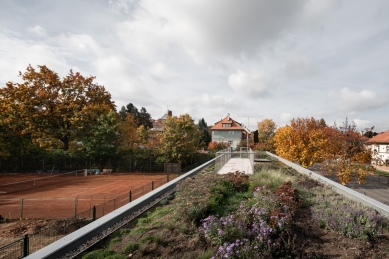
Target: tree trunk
65 141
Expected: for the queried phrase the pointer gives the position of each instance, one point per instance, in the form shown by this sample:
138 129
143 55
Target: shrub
164 202
255 230
332 211
240 181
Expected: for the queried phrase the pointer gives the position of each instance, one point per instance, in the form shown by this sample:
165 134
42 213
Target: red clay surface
60 196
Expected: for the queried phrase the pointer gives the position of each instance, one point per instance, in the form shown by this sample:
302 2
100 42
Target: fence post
75 207
130 196
21 208
94 213
152 185
26 246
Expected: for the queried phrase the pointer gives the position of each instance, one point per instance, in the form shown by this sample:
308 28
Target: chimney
169 113
228 116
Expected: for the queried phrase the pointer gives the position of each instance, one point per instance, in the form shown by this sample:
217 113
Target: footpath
237 164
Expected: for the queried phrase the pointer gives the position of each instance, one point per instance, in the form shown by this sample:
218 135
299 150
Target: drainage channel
99 237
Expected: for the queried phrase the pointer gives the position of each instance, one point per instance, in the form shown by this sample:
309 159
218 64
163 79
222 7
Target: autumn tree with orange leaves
302 141
266 132
346 154
48 106
341 149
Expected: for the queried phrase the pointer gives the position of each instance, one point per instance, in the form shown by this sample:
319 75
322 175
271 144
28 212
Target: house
379 144
158 124
229 130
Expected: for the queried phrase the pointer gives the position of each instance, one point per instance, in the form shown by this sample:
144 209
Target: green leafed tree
180 139
100 142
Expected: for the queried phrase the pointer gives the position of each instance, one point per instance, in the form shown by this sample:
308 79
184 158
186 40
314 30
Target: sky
253 59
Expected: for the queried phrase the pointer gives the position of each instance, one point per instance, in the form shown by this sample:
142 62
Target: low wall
349 193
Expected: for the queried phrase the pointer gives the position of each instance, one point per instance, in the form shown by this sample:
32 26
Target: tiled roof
380 138
227 120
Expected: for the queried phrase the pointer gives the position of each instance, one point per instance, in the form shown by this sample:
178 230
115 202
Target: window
231 132
214 132
230 142
387 149
226 125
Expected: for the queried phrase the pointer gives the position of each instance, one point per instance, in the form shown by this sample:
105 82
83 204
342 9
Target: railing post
94 213
26 246
130 196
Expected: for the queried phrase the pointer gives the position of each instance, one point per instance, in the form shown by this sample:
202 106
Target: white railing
224 155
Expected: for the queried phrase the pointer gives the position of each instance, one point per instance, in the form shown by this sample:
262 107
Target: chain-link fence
59 228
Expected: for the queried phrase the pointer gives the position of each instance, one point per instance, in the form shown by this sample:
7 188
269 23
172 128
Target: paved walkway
236 164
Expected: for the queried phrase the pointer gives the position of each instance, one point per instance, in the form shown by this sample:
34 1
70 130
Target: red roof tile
227 120
380 138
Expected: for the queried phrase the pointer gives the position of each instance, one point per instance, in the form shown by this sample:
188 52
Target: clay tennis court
65 195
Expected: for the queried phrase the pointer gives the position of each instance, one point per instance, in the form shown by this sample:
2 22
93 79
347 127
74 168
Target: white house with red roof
229 130
380 146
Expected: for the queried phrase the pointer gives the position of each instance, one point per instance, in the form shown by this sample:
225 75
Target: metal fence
224 155
381 178
59 228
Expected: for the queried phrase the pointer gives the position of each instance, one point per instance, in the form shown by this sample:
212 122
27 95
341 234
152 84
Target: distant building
229 130
158 124
380 147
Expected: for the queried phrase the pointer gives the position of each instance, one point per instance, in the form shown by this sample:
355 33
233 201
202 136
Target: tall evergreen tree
141 117
205 135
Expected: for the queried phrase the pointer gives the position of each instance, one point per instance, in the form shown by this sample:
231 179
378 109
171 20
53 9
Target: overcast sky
253 59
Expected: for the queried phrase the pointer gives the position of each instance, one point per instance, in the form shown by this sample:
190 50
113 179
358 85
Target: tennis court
61 196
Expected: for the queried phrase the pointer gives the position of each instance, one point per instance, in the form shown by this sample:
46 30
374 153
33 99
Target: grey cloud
300 68
253 85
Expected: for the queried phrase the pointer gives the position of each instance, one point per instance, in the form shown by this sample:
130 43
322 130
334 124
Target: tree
302 141
346 154
217 146
128 133
205 135
266 132
101 142
255 134
141 117
369 133
47 105
180 139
